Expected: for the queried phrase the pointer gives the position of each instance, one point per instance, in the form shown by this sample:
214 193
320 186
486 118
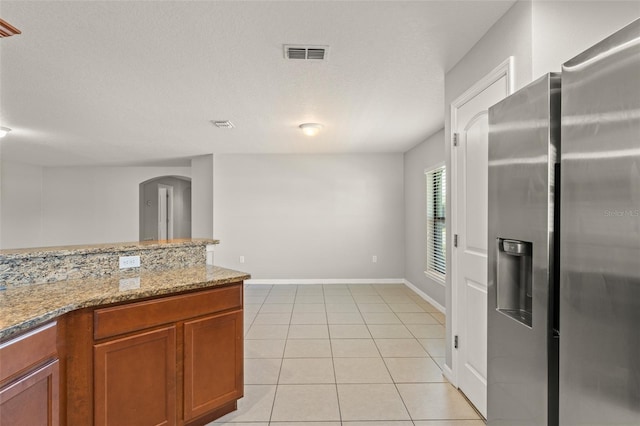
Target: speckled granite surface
104 248
24 307
52 264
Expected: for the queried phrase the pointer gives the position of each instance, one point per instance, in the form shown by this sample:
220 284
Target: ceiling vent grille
223 124
312 53
7 30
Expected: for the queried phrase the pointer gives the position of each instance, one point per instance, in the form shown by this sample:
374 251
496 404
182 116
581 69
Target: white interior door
165 212
469 214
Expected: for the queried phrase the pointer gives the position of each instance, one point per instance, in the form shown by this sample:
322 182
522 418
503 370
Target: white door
165 212
469 214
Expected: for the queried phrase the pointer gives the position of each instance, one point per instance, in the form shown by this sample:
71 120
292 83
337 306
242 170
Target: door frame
454 314
169 206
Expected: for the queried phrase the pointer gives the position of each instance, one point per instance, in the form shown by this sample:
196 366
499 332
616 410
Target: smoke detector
223 124
309 53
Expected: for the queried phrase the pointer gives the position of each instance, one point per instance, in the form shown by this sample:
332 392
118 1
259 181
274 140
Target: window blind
436 225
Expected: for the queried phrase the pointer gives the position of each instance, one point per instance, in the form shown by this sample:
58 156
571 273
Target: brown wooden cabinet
135 379
170 360
33 400
213 374
176 360
30 379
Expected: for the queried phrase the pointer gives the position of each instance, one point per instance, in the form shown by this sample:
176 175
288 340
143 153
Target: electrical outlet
129 262
241 259
129 283
374 259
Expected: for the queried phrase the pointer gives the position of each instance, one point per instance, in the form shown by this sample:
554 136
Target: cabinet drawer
24 352
140 315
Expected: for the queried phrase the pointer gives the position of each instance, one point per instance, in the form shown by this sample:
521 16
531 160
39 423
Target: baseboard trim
326 281
447 372
425 296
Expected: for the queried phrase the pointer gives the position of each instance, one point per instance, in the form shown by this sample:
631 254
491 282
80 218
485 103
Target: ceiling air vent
223 124
315 53
7 30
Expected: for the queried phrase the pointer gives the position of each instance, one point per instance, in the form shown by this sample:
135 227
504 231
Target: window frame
433 218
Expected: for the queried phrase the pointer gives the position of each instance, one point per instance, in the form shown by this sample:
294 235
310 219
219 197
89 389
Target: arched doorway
165 208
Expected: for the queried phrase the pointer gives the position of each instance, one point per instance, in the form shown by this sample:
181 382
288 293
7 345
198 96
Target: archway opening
165 208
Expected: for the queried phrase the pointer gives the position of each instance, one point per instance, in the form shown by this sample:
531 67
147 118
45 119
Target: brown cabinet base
33 399
212 363
178 370
30 378
213 415
135 379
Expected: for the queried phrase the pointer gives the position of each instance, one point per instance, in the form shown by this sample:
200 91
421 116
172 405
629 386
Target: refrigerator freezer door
600 234
523 135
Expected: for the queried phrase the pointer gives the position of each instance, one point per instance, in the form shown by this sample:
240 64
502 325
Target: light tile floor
345 355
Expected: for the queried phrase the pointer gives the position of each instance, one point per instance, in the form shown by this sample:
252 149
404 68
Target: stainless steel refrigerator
564 244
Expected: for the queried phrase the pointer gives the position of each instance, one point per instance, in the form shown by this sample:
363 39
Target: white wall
509 36
21 205
310 216
419 159
1 173
202 196
563 29
79 205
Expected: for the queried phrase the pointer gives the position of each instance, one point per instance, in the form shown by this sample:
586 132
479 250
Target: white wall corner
202 196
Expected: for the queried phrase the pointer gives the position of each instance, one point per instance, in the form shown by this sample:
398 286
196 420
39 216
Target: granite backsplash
47 265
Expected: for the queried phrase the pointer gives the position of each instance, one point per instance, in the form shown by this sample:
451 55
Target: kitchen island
162 345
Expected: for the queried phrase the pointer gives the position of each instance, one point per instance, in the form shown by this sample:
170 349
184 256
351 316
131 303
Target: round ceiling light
4 131
311 129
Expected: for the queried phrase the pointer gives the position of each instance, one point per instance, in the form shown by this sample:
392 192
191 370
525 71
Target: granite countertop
25 307
104 248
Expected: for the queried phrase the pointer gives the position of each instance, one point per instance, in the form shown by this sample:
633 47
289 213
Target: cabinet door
32 400
135 379
213 363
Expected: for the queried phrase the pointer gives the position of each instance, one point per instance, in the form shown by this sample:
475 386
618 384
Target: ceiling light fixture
4 131
311 129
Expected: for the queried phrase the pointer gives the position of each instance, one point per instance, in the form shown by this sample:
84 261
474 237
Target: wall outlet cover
129 262
129 283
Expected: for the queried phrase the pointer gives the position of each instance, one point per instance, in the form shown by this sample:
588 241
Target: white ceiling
136 82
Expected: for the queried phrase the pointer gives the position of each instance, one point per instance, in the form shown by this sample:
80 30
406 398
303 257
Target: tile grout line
286 339
333 364
256 315
389 371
